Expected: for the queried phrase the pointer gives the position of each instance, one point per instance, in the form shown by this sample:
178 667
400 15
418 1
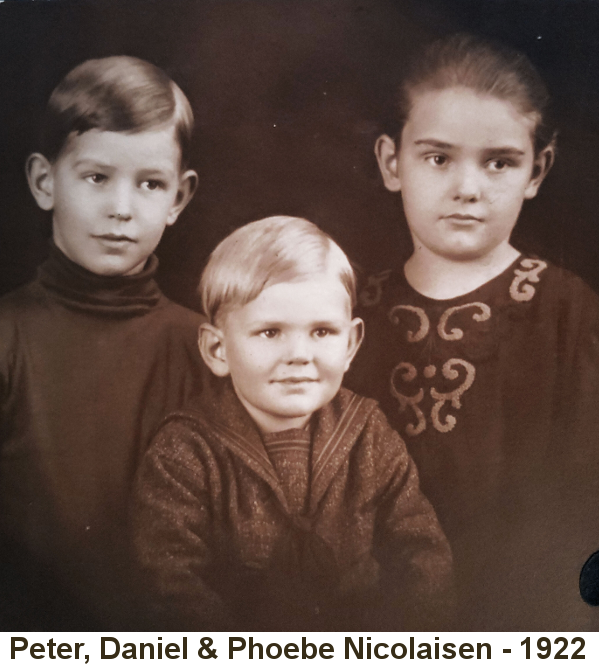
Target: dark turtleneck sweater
89 365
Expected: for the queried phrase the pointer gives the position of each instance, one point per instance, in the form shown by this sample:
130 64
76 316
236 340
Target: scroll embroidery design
449 372
533 269
458 333
422 332
409 374
453 369
372 292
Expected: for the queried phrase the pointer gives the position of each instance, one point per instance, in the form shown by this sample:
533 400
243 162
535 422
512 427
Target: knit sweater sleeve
171 529
411 546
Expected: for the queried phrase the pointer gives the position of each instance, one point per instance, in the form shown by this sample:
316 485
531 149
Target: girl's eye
269 333
498 165
152 184
437 159
96 178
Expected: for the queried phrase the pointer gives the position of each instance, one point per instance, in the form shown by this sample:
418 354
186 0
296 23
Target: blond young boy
92 354
282 501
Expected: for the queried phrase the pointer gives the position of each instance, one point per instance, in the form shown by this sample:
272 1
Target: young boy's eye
152 184
323 332
96 178
269 333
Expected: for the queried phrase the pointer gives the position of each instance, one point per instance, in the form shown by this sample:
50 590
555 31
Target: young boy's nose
467 183
299 350
120 202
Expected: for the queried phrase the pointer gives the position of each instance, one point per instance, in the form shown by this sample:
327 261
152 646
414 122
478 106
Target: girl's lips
462 217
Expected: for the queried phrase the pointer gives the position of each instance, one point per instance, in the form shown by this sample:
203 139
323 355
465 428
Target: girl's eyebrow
501 151
505 151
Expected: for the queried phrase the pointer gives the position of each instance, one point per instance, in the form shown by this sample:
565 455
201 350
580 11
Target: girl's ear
188 182
41 180
387 156
541 166
212 349
356 335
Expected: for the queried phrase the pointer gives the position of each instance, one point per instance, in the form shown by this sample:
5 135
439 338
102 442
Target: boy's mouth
293 380
110 237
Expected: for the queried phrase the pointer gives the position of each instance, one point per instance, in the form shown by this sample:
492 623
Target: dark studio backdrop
289 96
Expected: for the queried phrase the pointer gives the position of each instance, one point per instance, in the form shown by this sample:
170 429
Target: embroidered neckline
410 385
476 295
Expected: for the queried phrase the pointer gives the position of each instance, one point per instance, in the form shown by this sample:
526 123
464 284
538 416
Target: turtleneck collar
85 291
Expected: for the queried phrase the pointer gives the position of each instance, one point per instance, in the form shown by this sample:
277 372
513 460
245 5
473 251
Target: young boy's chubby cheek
113 194
288 349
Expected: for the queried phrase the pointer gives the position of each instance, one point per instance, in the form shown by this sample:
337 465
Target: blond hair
266 252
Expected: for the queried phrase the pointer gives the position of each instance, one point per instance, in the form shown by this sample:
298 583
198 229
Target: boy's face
465 165
287 350
112 195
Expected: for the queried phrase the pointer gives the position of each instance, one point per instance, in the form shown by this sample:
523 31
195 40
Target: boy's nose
120 205
299 350
468 184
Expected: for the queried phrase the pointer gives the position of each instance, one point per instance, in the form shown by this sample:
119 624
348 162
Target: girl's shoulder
554 289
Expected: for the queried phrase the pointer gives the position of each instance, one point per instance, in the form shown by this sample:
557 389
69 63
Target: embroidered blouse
496 393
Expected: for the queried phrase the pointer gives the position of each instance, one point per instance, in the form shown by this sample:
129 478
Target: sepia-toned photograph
299 315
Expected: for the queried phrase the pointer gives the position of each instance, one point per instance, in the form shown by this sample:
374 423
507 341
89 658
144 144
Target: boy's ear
41 180
356 335
541 166
212 349
387 157
188 182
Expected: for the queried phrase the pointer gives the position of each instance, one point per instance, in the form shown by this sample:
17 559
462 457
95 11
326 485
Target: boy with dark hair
92 354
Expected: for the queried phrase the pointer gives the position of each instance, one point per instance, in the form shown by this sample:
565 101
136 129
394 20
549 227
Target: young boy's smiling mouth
294 380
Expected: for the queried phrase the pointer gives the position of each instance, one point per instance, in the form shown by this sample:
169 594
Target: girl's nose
468 186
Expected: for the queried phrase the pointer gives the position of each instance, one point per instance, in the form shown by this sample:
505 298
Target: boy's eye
152 184
323 332
437 159
269 333
96 178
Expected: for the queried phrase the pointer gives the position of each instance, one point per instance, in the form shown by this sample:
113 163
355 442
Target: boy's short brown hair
117 93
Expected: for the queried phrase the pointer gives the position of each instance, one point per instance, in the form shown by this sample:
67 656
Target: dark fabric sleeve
579 351
573 507
171 528
413 551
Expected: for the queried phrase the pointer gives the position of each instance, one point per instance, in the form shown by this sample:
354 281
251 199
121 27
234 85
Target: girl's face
464 167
